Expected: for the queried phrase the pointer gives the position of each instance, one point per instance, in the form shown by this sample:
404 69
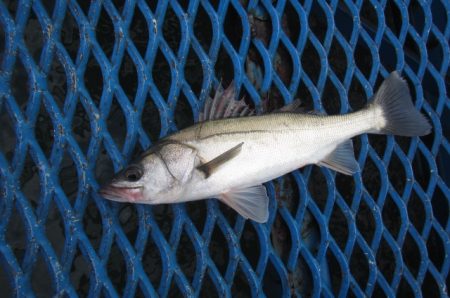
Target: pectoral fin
211 166
342 159
251 202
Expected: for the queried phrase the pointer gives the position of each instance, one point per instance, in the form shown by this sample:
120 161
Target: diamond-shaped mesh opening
83 85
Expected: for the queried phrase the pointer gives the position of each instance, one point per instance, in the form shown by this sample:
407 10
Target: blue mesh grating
85 85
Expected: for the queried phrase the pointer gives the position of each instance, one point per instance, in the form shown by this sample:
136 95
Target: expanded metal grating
86 85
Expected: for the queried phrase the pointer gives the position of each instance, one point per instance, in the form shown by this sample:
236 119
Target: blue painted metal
315 242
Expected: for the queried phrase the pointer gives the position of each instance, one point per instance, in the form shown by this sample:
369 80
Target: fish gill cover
84 86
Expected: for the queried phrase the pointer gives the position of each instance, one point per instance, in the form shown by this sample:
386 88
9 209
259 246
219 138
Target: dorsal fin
211 166
225 105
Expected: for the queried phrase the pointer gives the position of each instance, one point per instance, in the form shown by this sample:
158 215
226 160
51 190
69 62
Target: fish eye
133 173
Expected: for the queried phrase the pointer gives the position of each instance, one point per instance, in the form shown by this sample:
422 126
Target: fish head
159 176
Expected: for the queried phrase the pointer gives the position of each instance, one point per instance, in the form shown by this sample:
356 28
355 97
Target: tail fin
399 116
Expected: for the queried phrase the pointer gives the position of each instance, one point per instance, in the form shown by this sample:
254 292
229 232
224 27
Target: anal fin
342 159
251 202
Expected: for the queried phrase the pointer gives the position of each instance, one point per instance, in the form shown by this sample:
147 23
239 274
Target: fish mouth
121 194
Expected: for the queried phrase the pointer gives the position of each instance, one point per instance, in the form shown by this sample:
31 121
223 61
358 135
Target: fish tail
394 111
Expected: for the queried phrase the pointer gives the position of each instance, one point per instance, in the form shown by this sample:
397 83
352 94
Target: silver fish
230 158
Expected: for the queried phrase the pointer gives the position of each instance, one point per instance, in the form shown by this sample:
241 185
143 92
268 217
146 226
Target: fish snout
122 194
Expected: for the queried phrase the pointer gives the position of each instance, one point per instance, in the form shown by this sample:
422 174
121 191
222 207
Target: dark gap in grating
80 273
12 6
430 286
282 64
436 249
193 72
171 30
240 286
359 267
186 256
68 177
335 272
49 6
151 122
119 4
391 216
379 291
345 185
139 293
393 17
416 211
436 53
338 227
224 67
203 30
41 278
304 94
105 33
301 280
387 49
317 187
444 116
44 130
104 167
57 82
290 23
250 244
139 31
344 21
441 207
117 269
8 138
92 223
208 288
128 78
152 4
411 254
378 143
174 290
271 282
184 4
33 36
365 221
6 281
405 290
412 53
85 5
161 74
81 128
163 214
416 16
70 35
397 175
421 169
183 112
116 123
337 59
216 246
30 184
232 27
129 221
254 67
197 211
317 21
152 262
93 80
280 238
310 61
357 97
331 99
369 18
363 57
20 85
439 15
431 89
16 235
54 229
287 192
386 260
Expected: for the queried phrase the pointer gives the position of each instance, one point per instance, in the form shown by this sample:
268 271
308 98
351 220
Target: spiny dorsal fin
251 202
342 159
224 105
211 166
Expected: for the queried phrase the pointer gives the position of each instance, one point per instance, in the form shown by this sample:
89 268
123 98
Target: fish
232 152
